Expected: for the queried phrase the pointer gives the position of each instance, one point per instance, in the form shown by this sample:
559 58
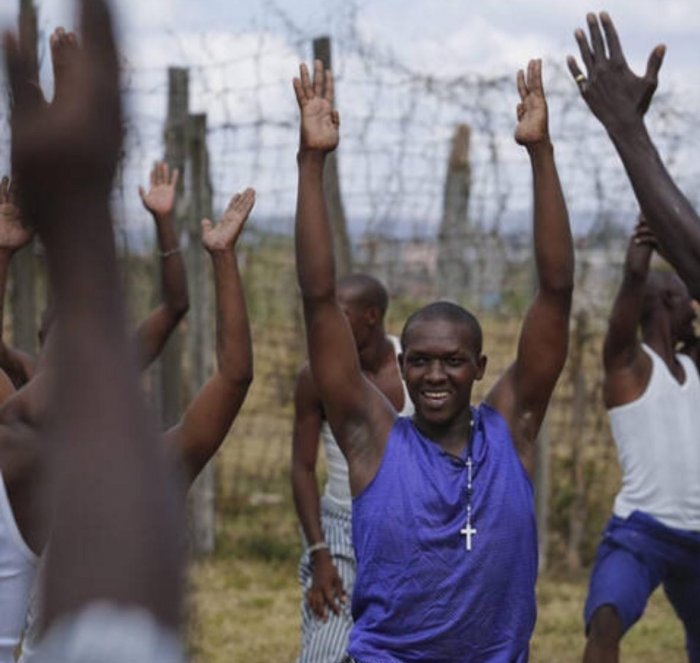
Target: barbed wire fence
398 126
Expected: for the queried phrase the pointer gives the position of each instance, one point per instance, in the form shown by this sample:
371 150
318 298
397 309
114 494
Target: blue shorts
636 555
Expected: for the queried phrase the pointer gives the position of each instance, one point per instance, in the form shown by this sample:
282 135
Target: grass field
244 602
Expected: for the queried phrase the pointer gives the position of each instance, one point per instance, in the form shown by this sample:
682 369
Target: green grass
244 601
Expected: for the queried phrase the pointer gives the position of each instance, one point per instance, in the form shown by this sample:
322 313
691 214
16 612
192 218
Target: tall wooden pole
23 267
331 185
171 396
199 340
453 275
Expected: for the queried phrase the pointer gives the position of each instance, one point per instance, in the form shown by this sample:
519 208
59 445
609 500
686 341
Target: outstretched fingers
534 76
614 46
596 37
584 48
318 78
306 86
520 82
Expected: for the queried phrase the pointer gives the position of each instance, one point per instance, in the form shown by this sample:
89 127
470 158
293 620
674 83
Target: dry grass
245 601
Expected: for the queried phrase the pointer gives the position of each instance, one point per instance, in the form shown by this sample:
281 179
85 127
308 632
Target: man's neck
452 437
377 352
658 336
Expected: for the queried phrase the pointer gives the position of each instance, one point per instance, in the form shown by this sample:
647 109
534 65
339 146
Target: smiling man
443 512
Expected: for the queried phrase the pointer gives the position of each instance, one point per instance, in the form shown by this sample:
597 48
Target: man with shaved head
652 393
442 502
327 568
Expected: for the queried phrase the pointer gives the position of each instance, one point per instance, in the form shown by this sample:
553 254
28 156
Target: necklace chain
468 530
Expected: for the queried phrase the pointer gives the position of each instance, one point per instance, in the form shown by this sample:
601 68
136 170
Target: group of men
427 521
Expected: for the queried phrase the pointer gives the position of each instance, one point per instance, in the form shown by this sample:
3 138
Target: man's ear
481 367
372 316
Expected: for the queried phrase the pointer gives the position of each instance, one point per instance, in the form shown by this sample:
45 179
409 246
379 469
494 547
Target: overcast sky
444 36
441 38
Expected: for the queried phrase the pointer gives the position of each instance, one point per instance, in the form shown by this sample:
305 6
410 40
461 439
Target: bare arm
327 587
209 416
111 489
359 415
18 365
523 393
626 365
154 331
620 99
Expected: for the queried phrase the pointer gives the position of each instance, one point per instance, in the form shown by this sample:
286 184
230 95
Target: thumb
207 225
655 61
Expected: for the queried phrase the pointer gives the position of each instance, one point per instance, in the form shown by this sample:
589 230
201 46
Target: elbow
560 286
180 306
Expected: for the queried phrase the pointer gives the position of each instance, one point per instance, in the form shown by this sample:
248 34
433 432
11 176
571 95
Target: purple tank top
420 595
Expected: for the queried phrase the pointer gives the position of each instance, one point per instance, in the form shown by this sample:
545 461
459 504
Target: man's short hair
366 290
444 310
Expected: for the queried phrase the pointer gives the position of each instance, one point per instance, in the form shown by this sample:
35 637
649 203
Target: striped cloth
327 642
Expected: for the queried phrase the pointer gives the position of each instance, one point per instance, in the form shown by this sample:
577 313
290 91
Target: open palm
532 110
13 235
159 200
320 124
224 235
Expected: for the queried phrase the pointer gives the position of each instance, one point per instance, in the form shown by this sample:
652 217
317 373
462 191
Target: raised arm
154 331
209 416
327 587
620 99
359 415
623 358
114 532
18 365
523 393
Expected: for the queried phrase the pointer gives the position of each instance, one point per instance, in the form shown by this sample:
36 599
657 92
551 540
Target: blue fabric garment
635 556
419 594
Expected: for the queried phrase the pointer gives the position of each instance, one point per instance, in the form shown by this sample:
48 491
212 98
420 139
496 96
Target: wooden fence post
331 185
201 330
452 268
175 134
23 266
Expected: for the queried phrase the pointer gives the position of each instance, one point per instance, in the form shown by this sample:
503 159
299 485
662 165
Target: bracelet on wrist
171 252
321 545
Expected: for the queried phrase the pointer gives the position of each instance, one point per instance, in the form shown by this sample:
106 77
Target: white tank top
338 484
17 568
658 443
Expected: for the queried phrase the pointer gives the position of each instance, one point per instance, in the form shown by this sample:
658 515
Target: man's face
681 311
440 364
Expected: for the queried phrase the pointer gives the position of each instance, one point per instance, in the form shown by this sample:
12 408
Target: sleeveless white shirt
338 485
17 569
658 444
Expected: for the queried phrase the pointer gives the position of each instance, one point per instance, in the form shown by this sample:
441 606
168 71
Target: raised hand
64 51
13 235
224 235
73 145
320 124
641 245
159 200
613 92
532 125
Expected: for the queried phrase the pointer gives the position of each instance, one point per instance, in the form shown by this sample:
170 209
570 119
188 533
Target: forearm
313 238
5 257
554 253
102 424
307 502
666 209
233 339
172 267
